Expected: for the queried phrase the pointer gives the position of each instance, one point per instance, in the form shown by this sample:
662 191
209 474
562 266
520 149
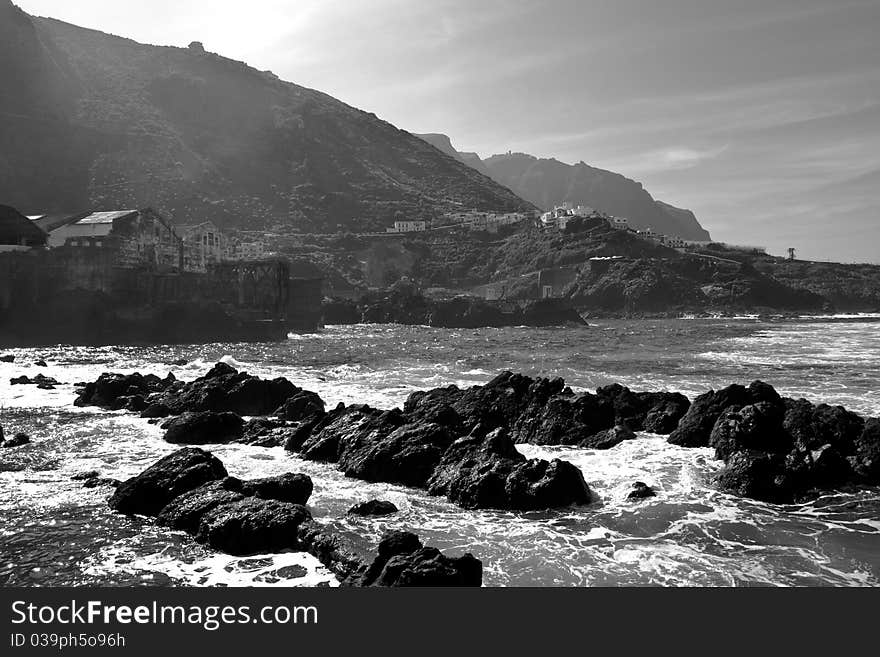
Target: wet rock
134 403
640 491
17 440
180 362
266 432
94 482
696 426
43 382
630 408
608 439
538 484
402 560
203 428
813 426
565 419
40 363
434 406
303 405
252 525
220 369
406 456
496 404
755 474
866 457
156 411
83 476
756 426
109 387
223 389
7 358
665 413
373 508
173 475
293 488
340 553
185 511
324 442
486 471
295 436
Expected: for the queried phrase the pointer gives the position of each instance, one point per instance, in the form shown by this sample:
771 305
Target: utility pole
791 253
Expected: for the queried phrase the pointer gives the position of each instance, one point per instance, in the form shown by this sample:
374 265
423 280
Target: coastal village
129 267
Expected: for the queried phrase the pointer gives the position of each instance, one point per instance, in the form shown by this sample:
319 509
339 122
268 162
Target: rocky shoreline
460 444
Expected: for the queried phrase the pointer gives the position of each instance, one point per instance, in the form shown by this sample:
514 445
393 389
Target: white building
408 227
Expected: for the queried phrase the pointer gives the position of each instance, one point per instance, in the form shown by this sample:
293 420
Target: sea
54 532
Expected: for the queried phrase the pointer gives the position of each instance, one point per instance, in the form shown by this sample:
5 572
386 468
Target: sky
761 116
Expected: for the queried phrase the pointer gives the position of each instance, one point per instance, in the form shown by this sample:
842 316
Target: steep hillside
549 182
94 120
546 182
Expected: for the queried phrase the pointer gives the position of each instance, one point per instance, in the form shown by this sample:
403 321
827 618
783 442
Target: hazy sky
762 116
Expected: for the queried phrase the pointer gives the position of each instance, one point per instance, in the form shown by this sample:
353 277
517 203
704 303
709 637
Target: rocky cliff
95 120
548 182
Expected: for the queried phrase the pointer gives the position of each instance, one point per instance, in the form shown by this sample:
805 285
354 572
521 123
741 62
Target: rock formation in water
189 490
460 443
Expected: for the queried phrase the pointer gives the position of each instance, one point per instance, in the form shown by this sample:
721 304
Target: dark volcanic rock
17 440
156 411
44 382
252 525
486 471
788 450
292 488
565 419
496 404
101 481
657 412
406 456
7 358
756 426
665 411
185 511
109 387
427 566
434 406
335 550
403 561
755 474
813 426
373 508
866 460
303 405
173 475
608 439
696 426
538 484
640 491
325 441
203 428
223 389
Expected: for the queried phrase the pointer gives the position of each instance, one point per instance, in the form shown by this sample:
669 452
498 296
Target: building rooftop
105 217
50 222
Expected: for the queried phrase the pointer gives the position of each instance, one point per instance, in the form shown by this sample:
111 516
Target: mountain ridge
93 120
547 182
